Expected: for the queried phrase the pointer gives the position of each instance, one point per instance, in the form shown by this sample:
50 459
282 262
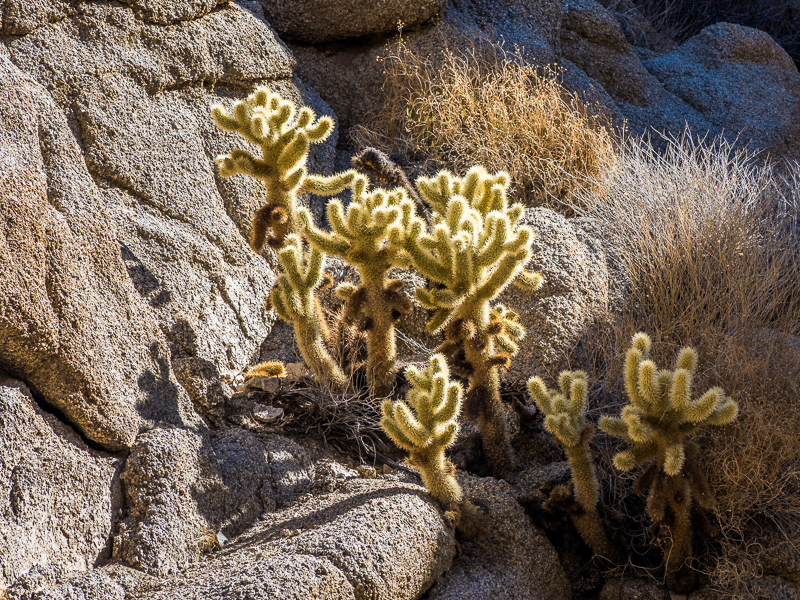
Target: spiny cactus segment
565 419
294 300
284 135
362 235
270 368
475 248
425 426
660 416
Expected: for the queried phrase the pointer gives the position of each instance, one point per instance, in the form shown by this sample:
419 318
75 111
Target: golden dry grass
482 105
709 244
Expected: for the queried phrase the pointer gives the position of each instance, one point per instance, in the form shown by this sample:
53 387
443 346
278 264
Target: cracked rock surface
58 497
120 241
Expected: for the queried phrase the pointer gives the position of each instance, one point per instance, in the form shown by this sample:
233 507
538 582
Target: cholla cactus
294 300
565 418
476 249
361 236
271 368
660 415
284 135
428 426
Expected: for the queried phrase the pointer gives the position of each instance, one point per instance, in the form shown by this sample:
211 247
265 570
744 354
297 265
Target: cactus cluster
656 422
362 235
474 248
565 419
465 237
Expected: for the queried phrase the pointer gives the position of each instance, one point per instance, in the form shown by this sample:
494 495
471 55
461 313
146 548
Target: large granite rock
58 498
574 294
713 83
314 21
730 74
513 560
136 98
182 487
71 323
370 539
122 247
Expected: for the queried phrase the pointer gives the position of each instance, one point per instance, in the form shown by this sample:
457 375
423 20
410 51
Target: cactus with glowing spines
660 416
295 301
475 248
363 236
565 419
426 425
284 135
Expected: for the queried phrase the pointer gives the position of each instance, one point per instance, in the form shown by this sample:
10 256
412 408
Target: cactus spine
656 422
361 236
294 300
284 135
427 427
565 419
476 248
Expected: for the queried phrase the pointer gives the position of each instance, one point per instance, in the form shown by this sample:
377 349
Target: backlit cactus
475 248
362 236
426 425
660 416
295 301
284 135
565 419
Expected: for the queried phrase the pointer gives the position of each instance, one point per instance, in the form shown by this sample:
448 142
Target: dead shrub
483 105
708 242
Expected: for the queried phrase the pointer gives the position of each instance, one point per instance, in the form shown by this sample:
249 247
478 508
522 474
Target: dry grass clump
482 105
709 245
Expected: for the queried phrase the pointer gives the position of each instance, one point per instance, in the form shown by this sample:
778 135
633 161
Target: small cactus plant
427 427
476 248
284 135
656 423
361 235
565 419
270 368
294 300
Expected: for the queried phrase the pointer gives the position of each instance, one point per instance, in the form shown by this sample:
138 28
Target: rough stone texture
166 12
58 497
314 21
633 589
513 560
137 97
182 486
200 379
371 539
729 74
575 291
715 83
761 587
592 38
71 324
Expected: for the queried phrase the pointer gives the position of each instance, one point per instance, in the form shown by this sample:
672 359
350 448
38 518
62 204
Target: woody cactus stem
476 248
284 135
427 425
294 300
361 236
565 419
656 422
